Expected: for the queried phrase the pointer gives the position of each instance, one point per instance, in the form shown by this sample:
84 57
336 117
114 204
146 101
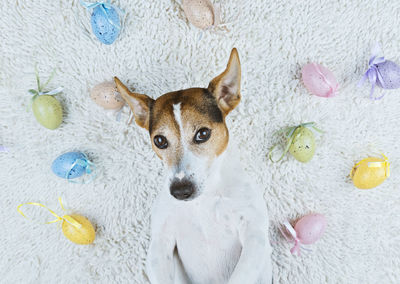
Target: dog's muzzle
182 189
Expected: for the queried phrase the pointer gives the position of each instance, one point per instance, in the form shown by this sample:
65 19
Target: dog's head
187 128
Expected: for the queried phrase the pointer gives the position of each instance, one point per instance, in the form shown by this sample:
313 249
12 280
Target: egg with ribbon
370 172
107 96
302 147
201 13
47 111
319 80
78 229
381 72
71 165
75 228
105 21
306 231
45 107
300 142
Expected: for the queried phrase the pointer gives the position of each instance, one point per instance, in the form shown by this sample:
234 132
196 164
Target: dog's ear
140 104
226 87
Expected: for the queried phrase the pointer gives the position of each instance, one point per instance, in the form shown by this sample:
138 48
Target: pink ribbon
296 248
328 82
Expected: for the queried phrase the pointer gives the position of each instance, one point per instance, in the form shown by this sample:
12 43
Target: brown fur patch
198 109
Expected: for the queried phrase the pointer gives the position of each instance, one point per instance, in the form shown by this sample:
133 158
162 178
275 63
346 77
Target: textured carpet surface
158 51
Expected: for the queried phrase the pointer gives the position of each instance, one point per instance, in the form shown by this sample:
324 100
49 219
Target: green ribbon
40 88
289 135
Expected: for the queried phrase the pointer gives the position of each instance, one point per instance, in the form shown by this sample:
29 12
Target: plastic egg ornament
105 21
107 96
390 75
200 13
381 72
306 231
75 228
310 228
319 80
78 229
302 147
71 165
47 111
300 142
370 172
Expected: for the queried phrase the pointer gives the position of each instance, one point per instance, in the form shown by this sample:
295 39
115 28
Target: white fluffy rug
158 52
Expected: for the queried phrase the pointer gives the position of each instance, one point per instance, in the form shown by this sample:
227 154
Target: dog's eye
202 135
160 141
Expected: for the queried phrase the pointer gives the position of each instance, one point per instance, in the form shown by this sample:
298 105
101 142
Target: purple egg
390 73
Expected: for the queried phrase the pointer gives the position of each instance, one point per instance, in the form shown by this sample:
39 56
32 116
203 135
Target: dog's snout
182 189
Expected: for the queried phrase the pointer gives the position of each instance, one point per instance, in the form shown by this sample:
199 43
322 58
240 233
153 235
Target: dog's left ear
226 87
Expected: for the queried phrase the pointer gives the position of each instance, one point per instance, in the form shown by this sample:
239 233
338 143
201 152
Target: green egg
48 111
303 144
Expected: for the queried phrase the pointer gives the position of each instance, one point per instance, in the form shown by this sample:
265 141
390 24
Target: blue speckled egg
105 24
62 165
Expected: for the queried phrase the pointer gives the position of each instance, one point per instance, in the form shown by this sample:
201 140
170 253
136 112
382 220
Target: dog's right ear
140 104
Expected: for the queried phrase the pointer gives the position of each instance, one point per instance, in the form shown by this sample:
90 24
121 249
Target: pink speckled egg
319 80
199 12
310 228
106 95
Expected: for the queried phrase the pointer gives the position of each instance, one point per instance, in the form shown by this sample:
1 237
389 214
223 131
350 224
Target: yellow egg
199 12
370 172
106 95
78 229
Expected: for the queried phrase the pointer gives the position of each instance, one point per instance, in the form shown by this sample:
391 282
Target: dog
209 223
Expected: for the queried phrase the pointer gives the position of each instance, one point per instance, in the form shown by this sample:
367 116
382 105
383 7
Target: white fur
178 119
220 236
194 168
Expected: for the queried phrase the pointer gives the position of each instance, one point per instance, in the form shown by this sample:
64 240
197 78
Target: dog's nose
181 189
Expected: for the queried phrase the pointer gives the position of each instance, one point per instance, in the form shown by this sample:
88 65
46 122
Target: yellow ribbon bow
385 164
66 218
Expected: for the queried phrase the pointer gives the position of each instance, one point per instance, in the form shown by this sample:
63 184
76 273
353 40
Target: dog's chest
207 239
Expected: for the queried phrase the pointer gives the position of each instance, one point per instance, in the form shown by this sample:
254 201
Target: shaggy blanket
159 51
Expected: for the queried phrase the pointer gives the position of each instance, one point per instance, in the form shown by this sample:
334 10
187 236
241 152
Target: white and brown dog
209 223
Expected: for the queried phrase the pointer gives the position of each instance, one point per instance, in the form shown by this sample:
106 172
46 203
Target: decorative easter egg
381 72
78 229
47 111
200 13
370 172
390 75
310 228
105 23
319 80
70 165
303 145
106 95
